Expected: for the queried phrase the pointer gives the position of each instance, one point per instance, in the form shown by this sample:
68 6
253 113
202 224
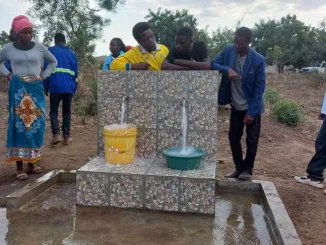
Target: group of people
22 62
242 85
237 63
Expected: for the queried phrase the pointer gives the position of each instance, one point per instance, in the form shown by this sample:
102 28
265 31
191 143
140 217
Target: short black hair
139 28
244 32
123 46
185 31
59 38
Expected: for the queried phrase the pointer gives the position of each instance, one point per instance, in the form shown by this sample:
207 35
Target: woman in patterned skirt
26 124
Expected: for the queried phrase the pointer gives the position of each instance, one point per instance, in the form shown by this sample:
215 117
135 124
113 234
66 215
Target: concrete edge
22 196
237 186
276 214
68 176
285 232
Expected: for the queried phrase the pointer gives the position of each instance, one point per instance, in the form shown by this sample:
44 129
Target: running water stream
184 125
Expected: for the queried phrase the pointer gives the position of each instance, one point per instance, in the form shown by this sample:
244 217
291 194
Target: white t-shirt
323 109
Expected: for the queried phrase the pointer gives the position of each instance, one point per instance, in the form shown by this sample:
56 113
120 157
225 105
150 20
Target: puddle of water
53 219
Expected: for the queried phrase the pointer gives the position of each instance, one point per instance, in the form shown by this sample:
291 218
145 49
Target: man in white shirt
317 165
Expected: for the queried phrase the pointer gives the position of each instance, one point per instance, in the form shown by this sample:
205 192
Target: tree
289 39
220 38
166 23
321 41
4 38
81 20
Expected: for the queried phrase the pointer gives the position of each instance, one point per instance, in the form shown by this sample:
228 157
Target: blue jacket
253 78
63 80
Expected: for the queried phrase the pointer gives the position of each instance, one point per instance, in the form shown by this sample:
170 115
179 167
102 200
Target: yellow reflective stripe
65 71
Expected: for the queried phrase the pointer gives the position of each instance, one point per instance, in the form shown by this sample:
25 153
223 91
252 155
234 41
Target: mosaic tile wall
147 184
155 103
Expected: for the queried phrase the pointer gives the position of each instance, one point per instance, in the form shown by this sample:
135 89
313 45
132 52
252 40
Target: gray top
239 101
27 62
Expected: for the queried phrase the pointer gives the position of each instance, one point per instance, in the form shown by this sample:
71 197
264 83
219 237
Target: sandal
35 170
22 176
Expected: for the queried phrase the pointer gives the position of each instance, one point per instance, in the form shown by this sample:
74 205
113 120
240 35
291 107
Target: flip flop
35 170
22 176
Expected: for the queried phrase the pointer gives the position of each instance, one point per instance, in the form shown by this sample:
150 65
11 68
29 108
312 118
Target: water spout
123 110
184 126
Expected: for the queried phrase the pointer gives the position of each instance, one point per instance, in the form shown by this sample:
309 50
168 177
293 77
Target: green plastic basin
188 160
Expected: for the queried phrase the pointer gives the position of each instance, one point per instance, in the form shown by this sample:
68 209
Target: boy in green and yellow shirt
148 55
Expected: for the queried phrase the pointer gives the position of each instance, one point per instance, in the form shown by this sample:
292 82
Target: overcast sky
208 12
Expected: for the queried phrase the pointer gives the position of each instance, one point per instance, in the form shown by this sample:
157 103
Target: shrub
272 96
287 112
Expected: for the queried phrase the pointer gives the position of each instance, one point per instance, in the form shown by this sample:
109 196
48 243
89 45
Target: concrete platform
147 184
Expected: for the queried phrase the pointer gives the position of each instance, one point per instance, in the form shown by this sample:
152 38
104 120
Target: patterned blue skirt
26 124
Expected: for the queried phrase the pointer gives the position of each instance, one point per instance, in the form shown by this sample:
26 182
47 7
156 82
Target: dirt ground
283 153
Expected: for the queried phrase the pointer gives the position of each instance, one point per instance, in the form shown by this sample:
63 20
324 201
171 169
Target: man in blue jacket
243 84
62 86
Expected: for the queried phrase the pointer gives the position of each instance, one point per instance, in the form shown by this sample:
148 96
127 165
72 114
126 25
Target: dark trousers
55 99
235 135
317 164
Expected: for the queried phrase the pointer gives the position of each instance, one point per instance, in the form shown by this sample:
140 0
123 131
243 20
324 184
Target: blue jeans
55 100
317 164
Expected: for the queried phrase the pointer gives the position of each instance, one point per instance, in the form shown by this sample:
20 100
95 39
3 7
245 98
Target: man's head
59 39
184 40
144 36
242 39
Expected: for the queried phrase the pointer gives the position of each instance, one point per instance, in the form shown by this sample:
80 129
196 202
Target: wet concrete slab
53 218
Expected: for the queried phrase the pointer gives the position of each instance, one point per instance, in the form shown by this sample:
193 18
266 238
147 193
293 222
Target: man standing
243 85
148 55
317 165
62 86
187 54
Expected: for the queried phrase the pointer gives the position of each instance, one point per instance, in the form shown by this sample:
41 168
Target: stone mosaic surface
197 196
202 115
207 171
109 112
92 189
147 183
142 85
206 140
142 113
114 84
203 85
98 165
166 139
172 85
146 143
162 193
154 104
126 191
159 168
140 166
169 114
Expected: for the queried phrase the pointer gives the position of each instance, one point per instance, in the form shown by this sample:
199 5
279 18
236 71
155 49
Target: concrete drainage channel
275 215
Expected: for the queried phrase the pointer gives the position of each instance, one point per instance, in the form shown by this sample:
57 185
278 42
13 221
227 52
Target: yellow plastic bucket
120 143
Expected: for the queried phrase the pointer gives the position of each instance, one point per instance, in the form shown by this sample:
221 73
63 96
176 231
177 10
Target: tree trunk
90 65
